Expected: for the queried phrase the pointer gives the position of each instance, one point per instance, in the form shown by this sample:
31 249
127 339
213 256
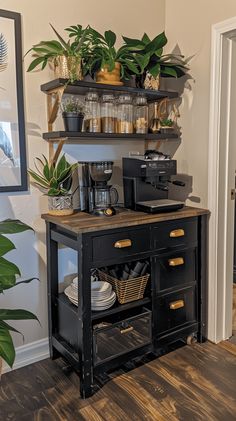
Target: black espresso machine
146 179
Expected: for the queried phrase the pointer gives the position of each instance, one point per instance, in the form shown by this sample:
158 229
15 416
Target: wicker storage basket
126 291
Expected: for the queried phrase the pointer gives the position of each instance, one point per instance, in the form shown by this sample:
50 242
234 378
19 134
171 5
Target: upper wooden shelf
81 88
52 136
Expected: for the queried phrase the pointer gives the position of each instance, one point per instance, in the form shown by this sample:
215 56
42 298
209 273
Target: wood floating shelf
57 135
81 87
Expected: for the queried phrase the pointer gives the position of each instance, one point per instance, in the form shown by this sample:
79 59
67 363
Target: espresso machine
146 179
95 194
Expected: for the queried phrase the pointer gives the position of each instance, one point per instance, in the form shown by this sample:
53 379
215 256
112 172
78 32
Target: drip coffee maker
96 196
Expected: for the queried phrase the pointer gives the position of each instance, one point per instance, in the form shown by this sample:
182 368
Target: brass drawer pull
176 262
177 233
126 329
176 304
120 244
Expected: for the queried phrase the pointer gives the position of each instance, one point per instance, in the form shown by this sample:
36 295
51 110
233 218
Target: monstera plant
9 273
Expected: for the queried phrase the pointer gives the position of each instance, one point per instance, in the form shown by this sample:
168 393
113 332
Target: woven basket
126 291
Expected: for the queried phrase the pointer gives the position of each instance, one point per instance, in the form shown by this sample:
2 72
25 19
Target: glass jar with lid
92 119
108 113
141 115
125 114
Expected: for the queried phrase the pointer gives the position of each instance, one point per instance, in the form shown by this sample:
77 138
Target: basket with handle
126 291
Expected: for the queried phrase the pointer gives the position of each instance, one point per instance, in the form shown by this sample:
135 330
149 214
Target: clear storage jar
92 119
125 114
108 113
141 115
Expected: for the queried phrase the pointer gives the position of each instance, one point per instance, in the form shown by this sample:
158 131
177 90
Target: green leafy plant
150 58
102 52
166 122
72 105
47 51
56 177
8 279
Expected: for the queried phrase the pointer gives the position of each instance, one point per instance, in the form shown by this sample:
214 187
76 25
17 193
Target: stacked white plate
102 296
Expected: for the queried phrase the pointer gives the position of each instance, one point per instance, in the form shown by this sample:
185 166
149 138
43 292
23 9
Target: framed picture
13 169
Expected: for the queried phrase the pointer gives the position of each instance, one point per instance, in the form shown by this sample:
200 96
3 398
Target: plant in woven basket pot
9 273
64 56
152 63
73 114
107 63
55 179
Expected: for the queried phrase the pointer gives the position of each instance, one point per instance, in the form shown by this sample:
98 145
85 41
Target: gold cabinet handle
177 233
120 244
127 329
176 262
176 304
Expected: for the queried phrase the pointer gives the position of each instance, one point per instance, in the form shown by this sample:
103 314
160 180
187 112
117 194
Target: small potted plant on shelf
64 56
8 279
166 125
55 179
108 64
73 114
153 63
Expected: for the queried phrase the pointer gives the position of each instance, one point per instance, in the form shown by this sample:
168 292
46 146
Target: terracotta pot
109 78
68 67
60 205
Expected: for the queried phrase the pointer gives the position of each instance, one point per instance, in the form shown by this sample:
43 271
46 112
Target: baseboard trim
29 354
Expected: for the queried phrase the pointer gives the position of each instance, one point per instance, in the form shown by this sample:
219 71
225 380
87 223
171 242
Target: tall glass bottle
108 114
141 115
92 119
125 114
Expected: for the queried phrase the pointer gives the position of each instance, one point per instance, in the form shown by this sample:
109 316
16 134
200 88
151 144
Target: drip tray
161 205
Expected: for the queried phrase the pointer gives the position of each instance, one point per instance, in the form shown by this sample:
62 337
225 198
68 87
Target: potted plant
55 179
153 63
108 64
64 56
166 125
8 276
73 114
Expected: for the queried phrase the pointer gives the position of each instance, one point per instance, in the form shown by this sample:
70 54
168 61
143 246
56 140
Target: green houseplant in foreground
8 279
55 179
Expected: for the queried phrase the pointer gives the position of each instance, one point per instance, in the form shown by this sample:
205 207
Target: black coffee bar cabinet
174 302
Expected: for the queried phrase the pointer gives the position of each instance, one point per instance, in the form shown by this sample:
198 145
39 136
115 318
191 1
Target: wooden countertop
81 222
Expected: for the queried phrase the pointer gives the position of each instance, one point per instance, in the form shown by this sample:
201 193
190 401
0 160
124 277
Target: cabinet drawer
175 269
121 337
175 234
176 310
121 244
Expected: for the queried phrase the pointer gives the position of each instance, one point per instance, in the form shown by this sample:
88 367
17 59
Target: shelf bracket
53 103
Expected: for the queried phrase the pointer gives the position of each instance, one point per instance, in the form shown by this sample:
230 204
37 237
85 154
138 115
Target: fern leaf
3 53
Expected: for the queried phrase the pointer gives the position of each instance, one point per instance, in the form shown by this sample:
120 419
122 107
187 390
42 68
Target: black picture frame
20 124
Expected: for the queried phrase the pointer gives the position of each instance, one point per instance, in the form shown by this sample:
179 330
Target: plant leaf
155 69
8 268
7 282
40 180
5 245
8 327
131 42
16 314
158 42
35 63
64 43
110 38
169 71
7 350
13 226
145 39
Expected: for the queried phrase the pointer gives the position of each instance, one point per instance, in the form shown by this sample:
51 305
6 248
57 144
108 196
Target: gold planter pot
109 78
68 67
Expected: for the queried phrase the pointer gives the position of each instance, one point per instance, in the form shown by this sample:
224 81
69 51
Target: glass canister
141 115
125 114
92 119
108 113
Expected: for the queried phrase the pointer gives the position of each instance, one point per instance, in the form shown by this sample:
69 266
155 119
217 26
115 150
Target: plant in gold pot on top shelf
55 179
64 56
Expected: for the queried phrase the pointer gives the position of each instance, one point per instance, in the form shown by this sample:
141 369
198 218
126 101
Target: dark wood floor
195 382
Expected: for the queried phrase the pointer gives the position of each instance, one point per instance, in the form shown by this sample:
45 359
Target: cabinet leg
86 384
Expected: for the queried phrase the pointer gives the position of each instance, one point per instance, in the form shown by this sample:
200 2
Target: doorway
221 179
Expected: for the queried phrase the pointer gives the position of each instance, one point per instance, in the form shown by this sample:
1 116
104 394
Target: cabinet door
175 310
175 270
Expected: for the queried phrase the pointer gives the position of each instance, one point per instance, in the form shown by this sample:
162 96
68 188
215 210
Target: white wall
127 17
188 23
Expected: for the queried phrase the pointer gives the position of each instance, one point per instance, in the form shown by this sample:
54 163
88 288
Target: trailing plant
166 122
102 52
8 279
150 58
72 105
47 51
56 177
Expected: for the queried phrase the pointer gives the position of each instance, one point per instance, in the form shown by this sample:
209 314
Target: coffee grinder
95 193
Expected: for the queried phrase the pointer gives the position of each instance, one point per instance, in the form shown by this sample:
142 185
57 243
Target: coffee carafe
96 196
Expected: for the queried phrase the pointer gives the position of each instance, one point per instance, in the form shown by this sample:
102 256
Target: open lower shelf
81 87
73 136
116 308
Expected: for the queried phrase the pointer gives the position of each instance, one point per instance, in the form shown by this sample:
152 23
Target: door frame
220 290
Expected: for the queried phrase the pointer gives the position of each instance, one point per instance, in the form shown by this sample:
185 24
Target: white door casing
222 165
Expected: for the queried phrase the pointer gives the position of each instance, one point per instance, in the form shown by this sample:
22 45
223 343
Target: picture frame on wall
13 166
